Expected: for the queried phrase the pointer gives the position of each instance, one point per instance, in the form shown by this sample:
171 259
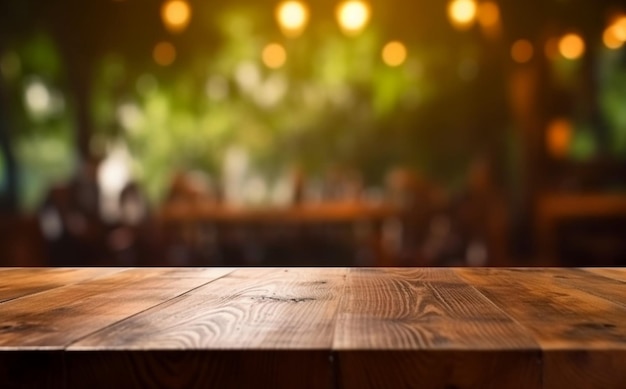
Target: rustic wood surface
313 328
618 274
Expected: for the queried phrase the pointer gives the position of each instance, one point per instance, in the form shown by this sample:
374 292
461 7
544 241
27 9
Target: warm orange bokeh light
559 137
274 56
572 46
551 48
522 51
611 39
462 13
394 53
620 28
615 34
488 14
176 15
353 16
164 53
292 17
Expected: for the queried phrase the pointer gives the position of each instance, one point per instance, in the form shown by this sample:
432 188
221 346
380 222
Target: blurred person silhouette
70 219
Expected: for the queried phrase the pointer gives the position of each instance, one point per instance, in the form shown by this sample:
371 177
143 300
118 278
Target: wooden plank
607 288
20 282
55 318
609 272
427 328
583 336
249 308
275 326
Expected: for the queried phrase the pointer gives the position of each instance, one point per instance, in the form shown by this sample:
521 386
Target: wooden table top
313 328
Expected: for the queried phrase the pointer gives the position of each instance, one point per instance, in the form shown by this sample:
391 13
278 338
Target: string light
176 15
292 17
394 53
572 46
353 16
274 56
615 34
462 13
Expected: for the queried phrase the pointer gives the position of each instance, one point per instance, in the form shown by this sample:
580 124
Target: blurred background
326 133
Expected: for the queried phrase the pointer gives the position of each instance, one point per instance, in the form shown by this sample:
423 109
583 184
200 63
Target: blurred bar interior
313 133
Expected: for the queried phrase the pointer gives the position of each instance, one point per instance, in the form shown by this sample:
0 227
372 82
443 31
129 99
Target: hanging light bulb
176 15
462 13
292 17
353 16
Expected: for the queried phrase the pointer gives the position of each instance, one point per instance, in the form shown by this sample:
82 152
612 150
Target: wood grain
313 328
249 308
58 317
434 323
273 313
20 282
614 273
583 336
601 286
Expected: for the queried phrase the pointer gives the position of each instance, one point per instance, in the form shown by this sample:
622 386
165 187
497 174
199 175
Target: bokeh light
619 26
176 15
462 13
551 48
522 51
572 46
164 53
611 39
37 98
488 14
292 17
394 53
559 137
353 16
615 34
274 56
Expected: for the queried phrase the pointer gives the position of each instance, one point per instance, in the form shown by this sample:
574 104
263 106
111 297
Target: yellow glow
394 53
353 16
164 53
176 15
619 28
572 46
611 38
559 137
615 34
292 17
462 13
522 51
488 14
274 56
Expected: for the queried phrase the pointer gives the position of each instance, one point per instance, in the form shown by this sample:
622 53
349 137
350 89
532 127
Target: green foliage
612 98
